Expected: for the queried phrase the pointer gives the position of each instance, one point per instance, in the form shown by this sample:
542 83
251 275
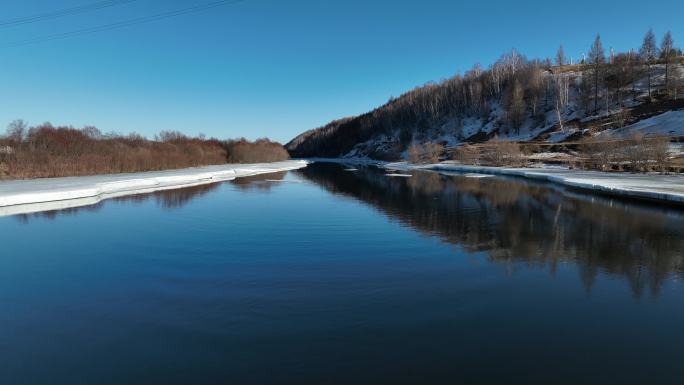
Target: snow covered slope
536 103
670 123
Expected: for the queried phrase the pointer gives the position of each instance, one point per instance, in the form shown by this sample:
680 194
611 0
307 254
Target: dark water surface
334 277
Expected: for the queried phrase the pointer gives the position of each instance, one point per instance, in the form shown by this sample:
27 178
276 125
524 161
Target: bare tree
425 153
648 52
512 62
516 105
17 130
632 61
677 80
560 56
667 52
170 136
535 87
619 75
562 88
501 153
92 132
597 59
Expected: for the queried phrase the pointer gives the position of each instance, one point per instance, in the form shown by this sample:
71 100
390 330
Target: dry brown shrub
467 154
622 117
637 153
48 151
425 153
602 153
502 153
262 150
659 148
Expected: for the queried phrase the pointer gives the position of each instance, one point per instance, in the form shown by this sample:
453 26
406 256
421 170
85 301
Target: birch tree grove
510 93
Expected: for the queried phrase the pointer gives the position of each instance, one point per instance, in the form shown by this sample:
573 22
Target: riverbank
28 196
651 187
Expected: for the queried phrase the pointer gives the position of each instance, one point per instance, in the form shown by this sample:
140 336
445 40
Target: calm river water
326 276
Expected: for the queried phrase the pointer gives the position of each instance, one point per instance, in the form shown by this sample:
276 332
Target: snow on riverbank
27 196
654 187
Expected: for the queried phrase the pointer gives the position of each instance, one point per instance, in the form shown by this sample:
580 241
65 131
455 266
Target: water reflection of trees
166 199
263 182
515 221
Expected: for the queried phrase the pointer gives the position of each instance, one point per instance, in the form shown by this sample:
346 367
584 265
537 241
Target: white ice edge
397 175
664 188
29 196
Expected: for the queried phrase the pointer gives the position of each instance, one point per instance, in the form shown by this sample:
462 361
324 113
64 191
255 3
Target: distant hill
515 99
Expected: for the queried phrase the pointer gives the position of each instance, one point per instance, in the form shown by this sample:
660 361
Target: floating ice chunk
478 176
399 175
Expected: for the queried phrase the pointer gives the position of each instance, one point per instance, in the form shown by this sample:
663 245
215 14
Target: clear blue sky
278 67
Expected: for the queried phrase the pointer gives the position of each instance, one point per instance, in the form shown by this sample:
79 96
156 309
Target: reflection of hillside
167 199
515 221
174 199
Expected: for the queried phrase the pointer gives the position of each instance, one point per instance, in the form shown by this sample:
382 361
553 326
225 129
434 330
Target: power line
62 13
124 23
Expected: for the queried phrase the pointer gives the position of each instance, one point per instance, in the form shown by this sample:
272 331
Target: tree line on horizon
48 151
523 88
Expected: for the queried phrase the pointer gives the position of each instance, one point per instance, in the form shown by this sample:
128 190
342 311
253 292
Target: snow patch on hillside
560 136
670 123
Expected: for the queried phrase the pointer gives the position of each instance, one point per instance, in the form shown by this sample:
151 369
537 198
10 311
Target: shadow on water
515 221
166 199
